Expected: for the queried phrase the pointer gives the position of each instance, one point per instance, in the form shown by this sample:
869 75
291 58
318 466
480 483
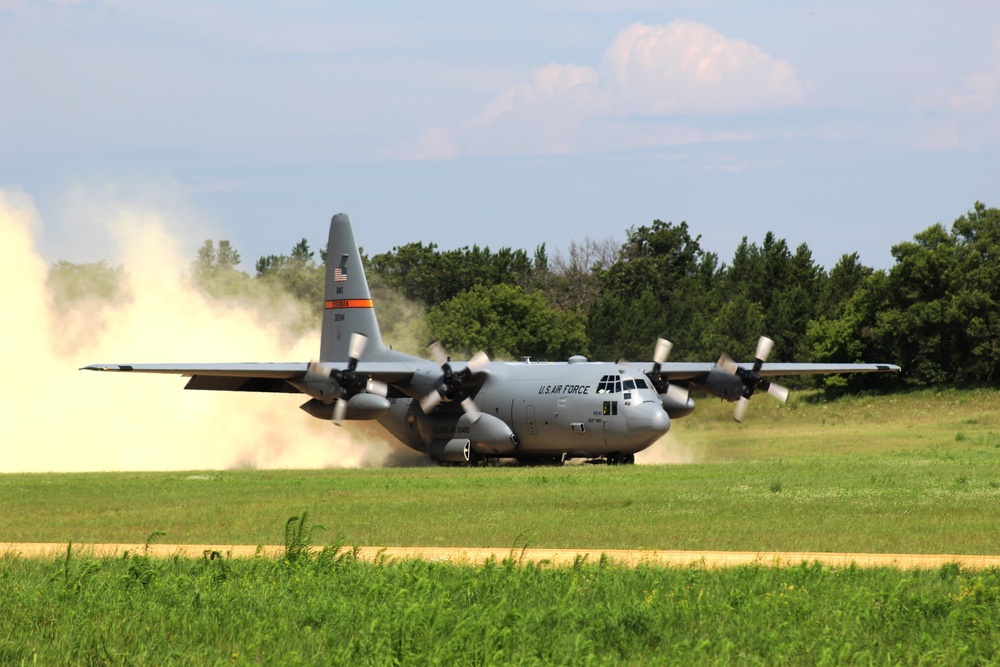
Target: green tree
658 287
296 275
69 282
847 334
841 282
423 273
507 322
777 288
943 317
215 270
936 312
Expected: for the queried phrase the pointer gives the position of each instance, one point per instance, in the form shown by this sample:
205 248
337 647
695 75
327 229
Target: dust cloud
670 450
54 417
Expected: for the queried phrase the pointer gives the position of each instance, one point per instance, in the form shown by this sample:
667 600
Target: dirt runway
555 557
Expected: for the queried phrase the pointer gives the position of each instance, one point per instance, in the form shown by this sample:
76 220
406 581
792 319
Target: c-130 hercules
466 412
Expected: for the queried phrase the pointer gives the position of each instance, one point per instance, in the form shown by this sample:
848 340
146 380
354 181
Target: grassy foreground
917 473
332 609
913 473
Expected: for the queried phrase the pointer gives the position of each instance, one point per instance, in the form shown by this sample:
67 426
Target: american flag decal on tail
340 272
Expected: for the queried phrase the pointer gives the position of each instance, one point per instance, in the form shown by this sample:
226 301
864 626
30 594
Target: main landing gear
619 458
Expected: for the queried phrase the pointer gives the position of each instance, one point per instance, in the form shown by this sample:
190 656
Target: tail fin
347 307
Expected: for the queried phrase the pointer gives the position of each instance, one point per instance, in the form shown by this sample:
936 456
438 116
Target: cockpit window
610 384
638 383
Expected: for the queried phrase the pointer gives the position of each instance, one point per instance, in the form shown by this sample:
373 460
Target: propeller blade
727 364
340 410
741 408
478 362
376 387
662 351
358 343
778 392
764 347
678 393
317 371
430 401
437 353
470 409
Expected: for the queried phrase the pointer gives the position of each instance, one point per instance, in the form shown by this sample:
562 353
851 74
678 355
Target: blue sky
849 126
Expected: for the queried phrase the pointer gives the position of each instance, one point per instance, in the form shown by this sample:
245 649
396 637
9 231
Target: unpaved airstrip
555 557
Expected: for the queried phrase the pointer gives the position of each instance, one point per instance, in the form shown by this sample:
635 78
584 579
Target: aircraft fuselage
578 409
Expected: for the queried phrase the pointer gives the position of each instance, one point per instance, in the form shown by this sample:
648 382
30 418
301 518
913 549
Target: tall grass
329 608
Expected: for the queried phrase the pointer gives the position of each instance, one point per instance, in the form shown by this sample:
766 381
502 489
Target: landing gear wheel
628 459
614 458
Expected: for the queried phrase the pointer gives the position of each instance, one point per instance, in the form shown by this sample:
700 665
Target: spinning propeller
751 377
451 382
661 384
350 382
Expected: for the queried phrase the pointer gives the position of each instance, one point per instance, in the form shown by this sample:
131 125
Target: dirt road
559 557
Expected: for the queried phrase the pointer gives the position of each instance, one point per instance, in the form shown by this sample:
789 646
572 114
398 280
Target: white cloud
687 68
652 80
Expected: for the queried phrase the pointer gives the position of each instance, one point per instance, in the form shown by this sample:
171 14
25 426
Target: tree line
935 312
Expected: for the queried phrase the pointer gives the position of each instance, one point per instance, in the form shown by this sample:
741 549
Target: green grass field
333 610
903 473
915 473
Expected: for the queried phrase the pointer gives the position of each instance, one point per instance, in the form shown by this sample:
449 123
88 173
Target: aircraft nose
647 419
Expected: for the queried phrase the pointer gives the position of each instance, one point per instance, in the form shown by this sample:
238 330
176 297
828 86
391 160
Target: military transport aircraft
466 412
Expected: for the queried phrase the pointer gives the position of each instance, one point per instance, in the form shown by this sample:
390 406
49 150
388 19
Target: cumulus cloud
651 81
689 69
56 418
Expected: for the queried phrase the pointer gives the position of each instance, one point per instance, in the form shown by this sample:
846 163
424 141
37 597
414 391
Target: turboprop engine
360 406
732 382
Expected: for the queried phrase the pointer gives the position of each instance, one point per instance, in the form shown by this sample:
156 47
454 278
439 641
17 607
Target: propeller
451 382
661 384
350 382
752 381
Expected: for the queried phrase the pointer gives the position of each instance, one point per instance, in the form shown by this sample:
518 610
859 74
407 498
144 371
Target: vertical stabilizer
347 307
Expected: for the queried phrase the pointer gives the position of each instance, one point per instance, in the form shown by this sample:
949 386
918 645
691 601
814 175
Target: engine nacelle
456 450
675 408
490 435
722 384
487 435
361 406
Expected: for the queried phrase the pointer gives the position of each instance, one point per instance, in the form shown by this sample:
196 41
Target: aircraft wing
257 377
694 371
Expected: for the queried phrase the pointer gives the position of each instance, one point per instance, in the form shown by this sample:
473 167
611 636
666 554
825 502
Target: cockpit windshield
613 384
610 384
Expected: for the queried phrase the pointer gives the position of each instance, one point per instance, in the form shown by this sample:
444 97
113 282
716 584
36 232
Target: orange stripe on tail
348 303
